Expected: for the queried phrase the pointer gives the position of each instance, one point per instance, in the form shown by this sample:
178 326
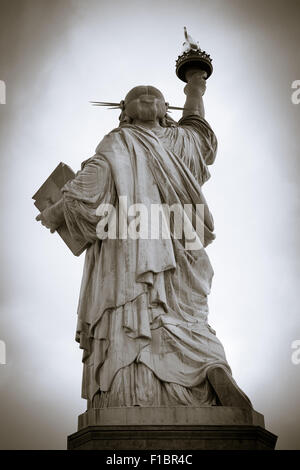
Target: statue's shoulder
110 140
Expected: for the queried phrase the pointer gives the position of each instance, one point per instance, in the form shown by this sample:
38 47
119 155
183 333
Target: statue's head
144 103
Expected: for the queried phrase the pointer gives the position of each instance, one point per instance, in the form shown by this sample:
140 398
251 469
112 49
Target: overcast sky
55 56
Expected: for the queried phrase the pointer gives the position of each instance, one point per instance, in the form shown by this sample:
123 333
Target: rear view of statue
138 209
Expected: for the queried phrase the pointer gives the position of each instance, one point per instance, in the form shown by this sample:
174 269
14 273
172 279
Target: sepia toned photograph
150 201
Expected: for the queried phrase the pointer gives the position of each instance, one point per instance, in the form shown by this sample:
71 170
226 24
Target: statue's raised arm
194 90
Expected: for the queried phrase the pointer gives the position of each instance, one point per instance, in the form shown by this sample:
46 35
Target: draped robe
142 314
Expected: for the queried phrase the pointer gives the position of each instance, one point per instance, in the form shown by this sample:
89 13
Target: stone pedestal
171 428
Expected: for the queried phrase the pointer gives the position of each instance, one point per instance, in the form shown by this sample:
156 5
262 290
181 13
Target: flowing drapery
142 314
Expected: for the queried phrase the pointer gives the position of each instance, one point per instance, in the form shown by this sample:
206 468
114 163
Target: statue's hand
196 82
42 217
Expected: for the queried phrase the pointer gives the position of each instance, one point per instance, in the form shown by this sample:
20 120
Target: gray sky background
55 56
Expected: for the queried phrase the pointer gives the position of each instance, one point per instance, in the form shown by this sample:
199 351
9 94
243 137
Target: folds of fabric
144 301
137 385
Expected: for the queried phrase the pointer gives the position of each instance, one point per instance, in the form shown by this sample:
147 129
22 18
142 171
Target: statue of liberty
143 311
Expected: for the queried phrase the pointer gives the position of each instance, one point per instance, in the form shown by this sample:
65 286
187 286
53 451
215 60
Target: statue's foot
227 391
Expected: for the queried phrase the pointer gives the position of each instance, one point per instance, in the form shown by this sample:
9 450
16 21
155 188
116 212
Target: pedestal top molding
176 415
